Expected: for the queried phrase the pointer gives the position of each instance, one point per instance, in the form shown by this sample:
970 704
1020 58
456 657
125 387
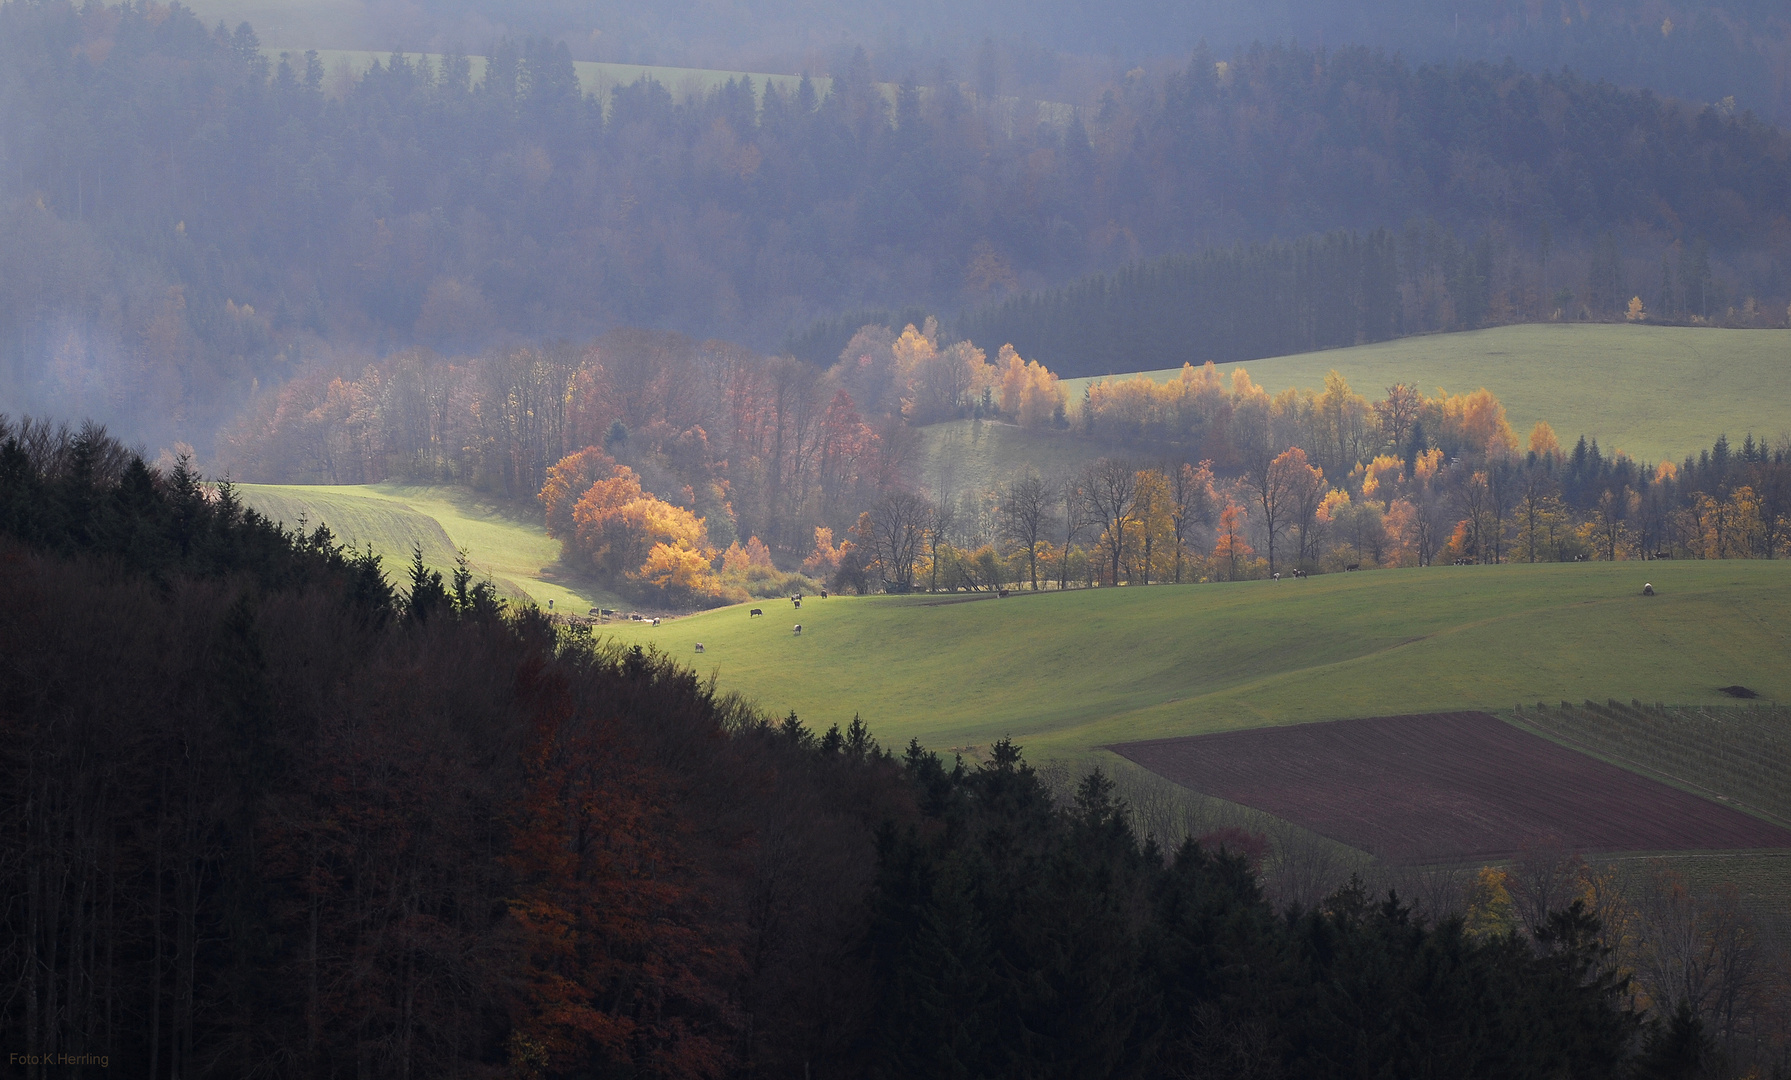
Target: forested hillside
186 217
1698 49
309 825
1343 289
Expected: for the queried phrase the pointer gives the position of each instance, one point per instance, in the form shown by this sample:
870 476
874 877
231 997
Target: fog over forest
1708 52
198 208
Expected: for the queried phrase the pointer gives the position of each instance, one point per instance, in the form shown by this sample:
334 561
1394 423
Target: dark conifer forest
266 815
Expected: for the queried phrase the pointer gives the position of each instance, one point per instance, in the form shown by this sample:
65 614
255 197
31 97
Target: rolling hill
1656 392
1065 672
517 554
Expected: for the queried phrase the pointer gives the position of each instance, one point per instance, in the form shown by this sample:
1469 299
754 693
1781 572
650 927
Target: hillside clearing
517 554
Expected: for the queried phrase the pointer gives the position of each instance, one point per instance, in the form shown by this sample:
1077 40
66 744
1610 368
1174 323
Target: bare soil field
1447 786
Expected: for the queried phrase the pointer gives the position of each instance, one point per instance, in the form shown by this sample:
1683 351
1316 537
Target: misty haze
786 539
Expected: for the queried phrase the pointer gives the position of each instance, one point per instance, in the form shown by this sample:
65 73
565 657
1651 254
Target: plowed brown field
1446 786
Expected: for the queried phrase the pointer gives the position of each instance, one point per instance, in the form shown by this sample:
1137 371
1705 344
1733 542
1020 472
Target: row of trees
754 446
709 449
1116 521
187 217
707 446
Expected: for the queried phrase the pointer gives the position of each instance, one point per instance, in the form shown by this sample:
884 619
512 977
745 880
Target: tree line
1227 482
312 823
189 218
695 473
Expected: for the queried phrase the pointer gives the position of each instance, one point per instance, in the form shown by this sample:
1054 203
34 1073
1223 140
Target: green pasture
516 553
1064 673
1656 392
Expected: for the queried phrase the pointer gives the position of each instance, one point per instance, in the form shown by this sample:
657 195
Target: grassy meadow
517 554
1064 673
1653 391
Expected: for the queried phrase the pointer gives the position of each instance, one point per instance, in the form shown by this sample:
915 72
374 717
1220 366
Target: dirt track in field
1446 786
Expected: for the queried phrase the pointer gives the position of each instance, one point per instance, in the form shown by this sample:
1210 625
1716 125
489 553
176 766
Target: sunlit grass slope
1066 672
517 554
1654 391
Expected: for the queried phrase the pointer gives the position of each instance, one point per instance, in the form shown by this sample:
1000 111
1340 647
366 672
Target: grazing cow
798 628
1276 576
655 622
1299 573
1663 554
699 646
597 611
1647 588
755 611
1352 566
799 602
823 594
1001 593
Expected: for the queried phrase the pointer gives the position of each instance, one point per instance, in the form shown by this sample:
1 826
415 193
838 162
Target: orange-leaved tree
1232 549
618 529
567 482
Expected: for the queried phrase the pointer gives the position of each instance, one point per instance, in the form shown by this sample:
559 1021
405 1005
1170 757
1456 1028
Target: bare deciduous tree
900 523
1025 511
1111 487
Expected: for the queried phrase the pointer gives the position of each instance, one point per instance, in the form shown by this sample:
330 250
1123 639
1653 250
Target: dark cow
1647 588
1352 566
755 611
798 628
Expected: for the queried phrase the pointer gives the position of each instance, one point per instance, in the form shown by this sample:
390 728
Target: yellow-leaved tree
1543 442
1030 393
1491 913
940 382
1380 478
